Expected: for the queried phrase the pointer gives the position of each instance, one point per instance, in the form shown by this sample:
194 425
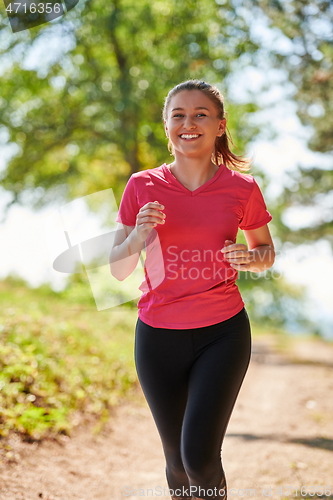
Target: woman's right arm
129 240
125 252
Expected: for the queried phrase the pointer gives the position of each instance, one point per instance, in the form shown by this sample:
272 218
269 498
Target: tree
94 116
309 63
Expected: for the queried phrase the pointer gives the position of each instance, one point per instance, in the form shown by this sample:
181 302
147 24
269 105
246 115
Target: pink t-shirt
187 282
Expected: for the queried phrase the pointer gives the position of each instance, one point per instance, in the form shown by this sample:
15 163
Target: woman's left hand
238 255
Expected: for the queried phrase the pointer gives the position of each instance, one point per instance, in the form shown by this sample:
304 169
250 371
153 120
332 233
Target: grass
60 360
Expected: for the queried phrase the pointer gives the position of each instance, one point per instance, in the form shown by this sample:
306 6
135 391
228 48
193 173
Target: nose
189 123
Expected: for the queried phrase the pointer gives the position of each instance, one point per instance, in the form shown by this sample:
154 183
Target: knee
175 468
200 469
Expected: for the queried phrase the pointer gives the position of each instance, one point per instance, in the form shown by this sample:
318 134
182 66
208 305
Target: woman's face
192 123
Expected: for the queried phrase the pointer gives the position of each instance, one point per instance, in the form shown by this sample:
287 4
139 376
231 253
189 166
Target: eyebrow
198 107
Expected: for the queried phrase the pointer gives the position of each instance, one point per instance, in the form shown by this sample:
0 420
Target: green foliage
309 188
308 25
271 300
59 361
92 117
309 61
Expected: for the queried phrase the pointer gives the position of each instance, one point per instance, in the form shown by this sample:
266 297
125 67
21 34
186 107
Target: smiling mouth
189 137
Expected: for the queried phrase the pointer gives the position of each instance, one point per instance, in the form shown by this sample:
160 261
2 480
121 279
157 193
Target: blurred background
80 103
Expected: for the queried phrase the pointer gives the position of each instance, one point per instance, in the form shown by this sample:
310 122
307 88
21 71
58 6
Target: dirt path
280 436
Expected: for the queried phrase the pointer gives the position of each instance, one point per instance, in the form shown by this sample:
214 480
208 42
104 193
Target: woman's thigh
215 380
163 360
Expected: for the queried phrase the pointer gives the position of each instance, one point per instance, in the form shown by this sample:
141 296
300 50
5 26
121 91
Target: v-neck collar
175 181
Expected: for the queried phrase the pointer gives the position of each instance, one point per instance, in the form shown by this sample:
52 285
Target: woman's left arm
257 257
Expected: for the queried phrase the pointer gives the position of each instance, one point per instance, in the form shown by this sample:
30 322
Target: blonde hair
222 151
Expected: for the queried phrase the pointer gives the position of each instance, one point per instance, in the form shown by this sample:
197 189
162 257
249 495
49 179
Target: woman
193 337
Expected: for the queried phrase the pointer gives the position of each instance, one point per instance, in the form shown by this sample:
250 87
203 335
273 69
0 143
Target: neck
193 172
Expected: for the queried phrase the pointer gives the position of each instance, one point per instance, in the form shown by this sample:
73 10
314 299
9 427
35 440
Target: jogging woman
193 337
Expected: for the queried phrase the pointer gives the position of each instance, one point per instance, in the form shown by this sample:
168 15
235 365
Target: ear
166 129
222 127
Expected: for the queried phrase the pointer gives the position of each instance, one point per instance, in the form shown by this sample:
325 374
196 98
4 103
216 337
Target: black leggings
191 379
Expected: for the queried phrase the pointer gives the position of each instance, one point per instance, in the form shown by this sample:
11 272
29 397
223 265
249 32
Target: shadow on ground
315 442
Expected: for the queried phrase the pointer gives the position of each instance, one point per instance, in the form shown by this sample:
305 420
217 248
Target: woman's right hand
147 218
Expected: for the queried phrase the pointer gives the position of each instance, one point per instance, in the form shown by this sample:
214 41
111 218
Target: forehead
191 99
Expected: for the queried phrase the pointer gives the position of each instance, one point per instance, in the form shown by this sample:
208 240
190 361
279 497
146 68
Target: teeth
189 136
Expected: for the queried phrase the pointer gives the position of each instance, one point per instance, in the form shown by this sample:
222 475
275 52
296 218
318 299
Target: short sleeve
128 205
255 213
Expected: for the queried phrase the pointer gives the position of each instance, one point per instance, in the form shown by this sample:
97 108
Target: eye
179 114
